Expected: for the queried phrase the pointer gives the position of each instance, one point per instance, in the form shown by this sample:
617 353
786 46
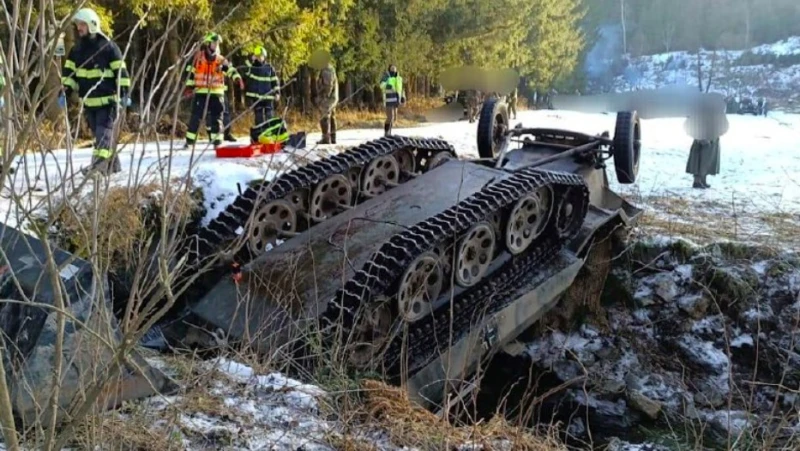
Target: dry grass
123 216
708 221
411 114
410 425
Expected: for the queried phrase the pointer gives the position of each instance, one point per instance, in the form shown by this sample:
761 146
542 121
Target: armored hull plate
299 276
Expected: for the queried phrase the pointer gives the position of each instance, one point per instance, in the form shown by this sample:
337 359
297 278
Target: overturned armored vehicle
396 255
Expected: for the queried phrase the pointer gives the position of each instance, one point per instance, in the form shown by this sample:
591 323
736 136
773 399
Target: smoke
606 50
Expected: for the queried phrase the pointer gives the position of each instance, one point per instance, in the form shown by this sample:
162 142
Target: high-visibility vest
392 89
208 76
275 131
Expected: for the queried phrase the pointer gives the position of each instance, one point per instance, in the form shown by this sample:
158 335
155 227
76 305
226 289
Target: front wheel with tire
492 126
626 146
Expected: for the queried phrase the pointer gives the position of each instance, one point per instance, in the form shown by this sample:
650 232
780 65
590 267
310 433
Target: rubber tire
486 122
626 146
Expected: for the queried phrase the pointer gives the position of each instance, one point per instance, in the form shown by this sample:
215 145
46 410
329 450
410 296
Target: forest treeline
541 39
545 41
656 26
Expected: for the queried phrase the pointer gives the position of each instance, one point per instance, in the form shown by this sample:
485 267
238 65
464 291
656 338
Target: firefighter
393 97
261 90
96 70
205 83
327 99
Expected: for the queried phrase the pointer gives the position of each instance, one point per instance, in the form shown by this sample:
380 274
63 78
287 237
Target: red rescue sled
246 150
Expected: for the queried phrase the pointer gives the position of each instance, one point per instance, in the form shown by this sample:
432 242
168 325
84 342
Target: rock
704 354
712 392
644 296
731 284
729 423
644 404
616 444
695 305
665 287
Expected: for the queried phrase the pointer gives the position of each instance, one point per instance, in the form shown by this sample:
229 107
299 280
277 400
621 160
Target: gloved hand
62 101
126 101
241 84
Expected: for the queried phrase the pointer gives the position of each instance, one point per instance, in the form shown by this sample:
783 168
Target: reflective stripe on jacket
392 89
261 82
95 68
208 76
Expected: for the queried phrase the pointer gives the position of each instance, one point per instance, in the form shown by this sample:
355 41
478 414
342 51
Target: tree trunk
747 17
624 31
699 72
711 70
307 75
348 89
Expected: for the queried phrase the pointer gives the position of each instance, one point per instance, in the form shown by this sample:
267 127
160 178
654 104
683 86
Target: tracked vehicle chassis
394 282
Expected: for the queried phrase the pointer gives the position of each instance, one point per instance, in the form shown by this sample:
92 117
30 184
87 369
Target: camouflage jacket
328 85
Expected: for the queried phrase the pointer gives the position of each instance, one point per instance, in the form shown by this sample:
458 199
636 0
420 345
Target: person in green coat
706 127
703 161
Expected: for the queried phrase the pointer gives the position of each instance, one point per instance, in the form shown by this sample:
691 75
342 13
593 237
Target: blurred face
212 47
82 28
393 69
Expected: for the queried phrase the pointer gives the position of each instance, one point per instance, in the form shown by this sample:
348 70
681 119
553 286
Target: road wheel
627 146
492 124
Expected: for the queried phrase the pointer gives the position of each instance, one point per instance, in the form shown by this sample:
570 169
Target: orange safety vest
208 74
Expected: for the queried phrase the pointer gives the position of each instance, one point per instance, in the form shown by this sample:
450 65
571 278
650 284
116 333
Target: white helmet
90 17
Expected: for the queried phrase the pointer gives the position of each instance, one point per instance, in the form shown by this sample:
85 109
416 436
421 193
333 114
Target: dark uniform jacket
261 82
95 68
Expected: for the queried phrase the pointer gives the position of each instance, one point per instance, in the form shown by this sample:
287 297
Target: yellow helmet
258 51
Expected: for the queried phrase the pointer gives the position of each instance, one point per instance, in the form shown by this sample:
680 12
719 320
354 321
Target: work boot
333 130
229 137
698 183
326 132
387 129
704 183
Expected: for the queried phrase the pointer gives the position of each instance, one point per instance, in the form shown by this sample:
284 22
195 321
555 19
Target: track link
226 227
379 278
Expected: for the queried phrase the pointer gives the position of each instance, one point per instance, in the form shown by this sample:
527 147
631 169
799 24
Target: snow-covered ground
754 197
771 70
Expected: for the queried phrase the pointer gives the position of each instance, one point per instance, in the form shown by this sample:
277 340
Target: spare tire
626 146
492 125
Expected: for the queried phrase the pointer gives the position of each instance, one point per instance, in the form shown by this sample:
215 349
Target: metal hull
286 289
30 332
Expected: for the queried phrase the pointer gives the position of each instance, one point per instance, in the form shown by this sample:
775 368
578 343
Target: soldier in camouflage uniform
327 99
473 102
512 102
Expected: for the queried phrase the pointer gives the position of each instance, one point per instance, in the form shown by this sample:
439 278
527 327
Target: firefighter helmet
90 17
259 51
212 37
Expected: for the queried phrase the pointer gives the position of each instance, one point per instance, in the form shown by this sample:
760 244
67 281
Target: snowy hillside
770 70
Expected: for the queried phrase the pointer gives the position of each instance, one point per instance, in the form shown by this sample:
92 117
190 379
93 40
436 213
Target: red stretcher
235 150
